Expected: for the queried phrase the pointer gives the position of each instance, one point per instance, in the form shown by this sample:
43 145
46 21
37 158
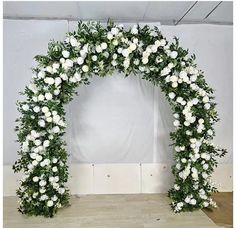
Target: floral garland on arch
97 50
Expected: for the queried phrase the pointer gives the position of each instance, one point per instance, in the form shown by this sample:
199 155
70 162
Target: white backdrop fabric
117 119
114 119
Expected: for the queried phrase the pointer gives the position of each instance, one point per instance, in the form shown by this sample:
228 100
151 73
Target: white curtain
119 120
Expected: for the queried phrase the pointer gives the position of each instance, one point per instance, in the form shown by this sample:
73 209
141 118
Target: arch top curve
99 50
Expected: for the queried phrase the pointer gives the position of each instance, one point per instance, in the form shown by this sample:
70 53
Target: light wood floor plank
116 211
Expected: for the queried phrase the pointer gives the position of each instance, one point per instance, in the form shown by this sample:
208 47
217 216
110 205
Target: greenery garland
97 50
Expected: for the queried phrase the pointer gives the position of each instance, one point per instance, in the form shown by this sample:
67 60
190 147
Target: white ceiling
165 12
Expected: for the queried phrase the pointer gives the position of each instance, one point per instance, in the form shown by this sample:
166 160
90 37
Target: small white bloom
85 68
114 31
173 54
94 58
125 52
144 60
56 92
54 169
41 97
109 36
34 163
50 203
39 158
45 109
176 187
56 129
57 81
66 54
41 123
205 99
174 84
48 96
104 45
193 202
171 95
98 49
207 106
46 143
35 179
80 60
115 42
25 107
176 123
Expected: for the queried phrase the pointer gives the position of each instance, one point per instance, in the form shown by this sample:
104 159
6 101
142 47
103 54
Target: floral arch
97 50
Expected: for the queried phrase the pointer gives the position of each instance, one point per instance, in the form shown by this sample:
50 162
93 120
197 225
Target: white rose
56 92
205 166
73 42
125 52
173 54
33 155
45 109
57 81
173 78
66 54
49 69
25 107
205 99
35 179
126 63
85 68
183 74
50 203
40 97
54 169
176 123
98 49
144 60
114 31
205 204
80 60
41 123
35 99
115 42
39 158
207 106
46 161
56 129
162 42
56 118
46 143
132 46
54 160
104 45
34 163
41 74
109 36
94 58
171 95
48 96
187 199
64 77
176 187
193 202
49 119
174 84
49 80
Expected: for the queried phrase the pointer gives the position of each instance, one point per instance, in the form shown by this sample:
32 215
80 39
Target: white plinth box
121 178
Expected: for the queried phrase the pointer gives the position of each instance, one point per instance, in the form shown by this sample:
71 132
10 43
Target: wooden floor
223 215
103 211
